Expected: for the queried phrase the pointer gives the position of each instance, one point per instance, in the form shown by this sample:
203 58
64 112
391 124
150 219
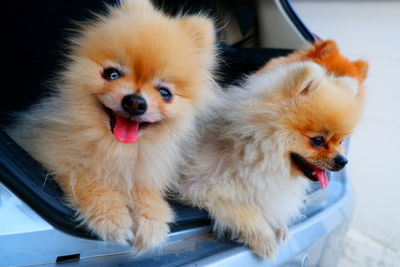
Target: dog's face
320 111
144 68
311 112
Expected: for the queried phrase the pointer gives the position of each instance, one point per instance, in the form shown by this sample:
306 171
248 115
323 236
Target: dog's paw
263 247
149 233
261 240
281 234
114 225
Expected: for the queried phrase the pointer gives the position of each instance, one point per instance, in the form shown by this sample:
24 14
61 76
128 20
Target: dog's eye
165 93
111 74
317 141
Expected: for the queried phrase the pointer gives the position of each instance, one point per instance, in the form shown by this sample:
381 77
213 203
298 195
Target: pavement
369 30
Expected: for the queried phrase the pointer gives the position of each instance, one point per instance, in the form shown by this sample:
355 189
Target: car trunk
247 39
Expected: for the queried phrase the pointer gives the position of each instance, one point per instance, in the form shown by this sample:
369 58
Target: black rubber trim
297 21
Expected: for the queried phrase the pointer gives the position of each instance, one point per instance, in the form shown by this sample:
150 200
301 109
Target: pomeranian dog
111 133
253 160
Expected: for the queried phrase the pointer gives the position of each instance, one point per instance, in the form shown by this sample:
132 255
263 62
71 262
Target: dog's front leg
247 224
102 208
151 214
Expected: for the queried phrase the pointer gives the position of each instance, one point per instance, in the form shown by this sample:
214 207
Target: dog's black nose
134 104
339 162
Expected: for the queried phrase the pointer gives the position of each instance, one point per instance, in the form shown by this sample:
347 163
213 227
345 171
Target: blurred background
369 30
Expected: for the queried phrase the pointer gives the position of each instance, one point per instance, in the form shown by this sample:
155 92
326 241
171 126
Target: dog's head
144 68
320 111
311 112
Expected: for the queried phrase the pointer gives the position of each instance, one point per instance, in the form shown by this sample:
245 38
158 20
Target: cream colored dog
111 133
249 166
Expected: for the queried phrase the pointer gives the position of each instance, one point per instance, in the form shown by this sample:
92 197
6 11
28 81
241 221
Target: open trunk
43 230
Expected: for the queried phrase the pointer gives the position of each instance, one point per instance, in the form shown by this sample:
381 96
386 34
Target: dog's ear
325 49
201 29
304 78
362 67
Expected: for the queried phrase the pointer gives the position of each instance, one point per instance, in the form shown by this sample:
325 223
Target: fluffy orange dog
249 165
285 124
111 133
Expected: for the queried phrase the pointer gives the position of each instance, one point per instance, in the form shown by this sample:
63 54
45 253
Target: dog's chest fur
244 168
264 169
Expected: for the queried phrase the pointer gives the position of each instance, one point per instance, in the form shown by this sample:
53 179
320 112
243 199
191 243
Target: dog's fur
326 54
242 171
118 188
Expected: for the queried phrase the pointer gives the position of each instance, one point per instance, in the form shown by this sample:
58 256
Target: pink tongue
126 130
322 177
